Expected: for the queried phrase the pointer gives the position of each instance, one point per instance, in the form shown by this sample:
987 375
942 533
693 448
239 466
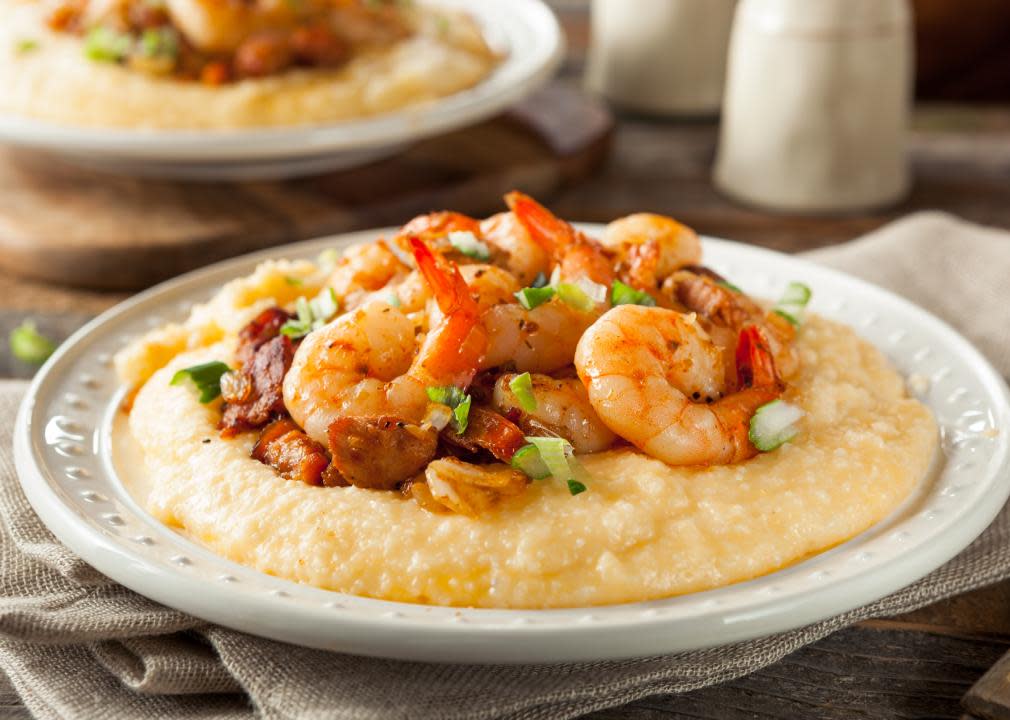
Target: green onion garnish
328 258
29 345
159 42
456 399
394 300
468 244
793 303
527 459
107 45
532 297
293 281
774 424
539 281
574 296
728 285
205 378
522 386
557 456
311 314
621 294
461 415
26 45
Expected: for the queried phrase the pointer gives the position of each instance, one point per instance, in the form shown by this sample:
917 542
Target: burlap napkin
75 644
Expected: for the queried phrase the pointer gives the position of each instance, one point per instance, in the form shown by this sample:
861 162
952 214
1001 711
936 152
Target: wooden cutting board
80 227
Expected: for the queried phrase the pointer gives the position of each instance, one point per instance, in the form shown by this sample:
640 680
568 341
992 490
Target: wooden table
911 666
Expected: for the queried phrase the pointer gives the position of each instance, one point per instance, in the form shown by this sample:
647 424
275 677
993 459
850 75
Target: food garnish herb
621 294
532 297
107 45
774 424
29 345
468 244
26 45
456 399
311 314
205 379
793 303
558 457
574 296
522 386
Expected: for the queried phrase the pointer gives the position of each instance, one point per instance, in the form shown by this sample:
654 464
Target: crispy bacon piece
262 329
264 399
379 453
287 449
487 430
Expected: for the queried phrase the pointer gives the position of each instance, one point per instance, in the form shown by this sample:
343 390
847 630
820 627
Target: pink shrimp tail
453 349
547 230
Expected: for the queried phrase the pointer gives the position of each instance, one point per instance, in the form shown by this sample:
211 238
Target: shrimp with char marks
363 364
656 379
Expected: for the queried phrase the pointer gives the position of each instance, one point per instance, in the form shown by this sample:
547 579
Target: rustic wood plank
858 672
990 696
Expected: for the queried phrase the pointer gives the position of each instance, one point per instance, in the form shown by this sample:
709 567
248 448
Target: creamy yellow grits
643 530
45 75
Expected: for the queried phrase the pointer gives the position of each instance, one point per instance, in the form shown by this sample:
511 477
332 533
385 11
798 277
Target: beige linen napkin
75 644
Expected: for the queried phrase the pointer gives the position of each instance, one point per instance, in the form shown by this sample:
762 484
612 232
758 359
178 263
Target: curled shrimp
724 312
577 255
656 379
516 251
366 363
651 247
362 269
222 25
562 410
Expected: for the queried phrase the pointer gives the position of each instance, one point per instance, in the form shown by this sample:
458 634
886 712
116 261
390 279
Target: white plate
524 31
63 458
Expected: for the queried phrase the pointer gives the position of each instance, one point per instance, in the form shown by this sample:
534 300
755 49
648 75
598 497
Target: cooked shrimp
516 250
563 410
650 247
577 255
724 312
656 379
222 25
365 268
363 363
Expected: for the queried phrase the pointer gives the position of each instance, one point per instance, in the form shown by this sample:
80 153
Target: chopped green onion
394 300
793 302
574 296
159 42
575 487
539 281
522 386
557 456
448 395
728 285
29 345
293 281
532 297
621 294
107 45
468 244
26 45
461 415
527 459
205 378
311 314
774 424
328 258
456 399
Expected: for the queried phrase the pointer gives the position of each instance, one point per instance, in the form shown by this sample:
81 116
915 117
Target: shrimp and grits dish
508 413
218 64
